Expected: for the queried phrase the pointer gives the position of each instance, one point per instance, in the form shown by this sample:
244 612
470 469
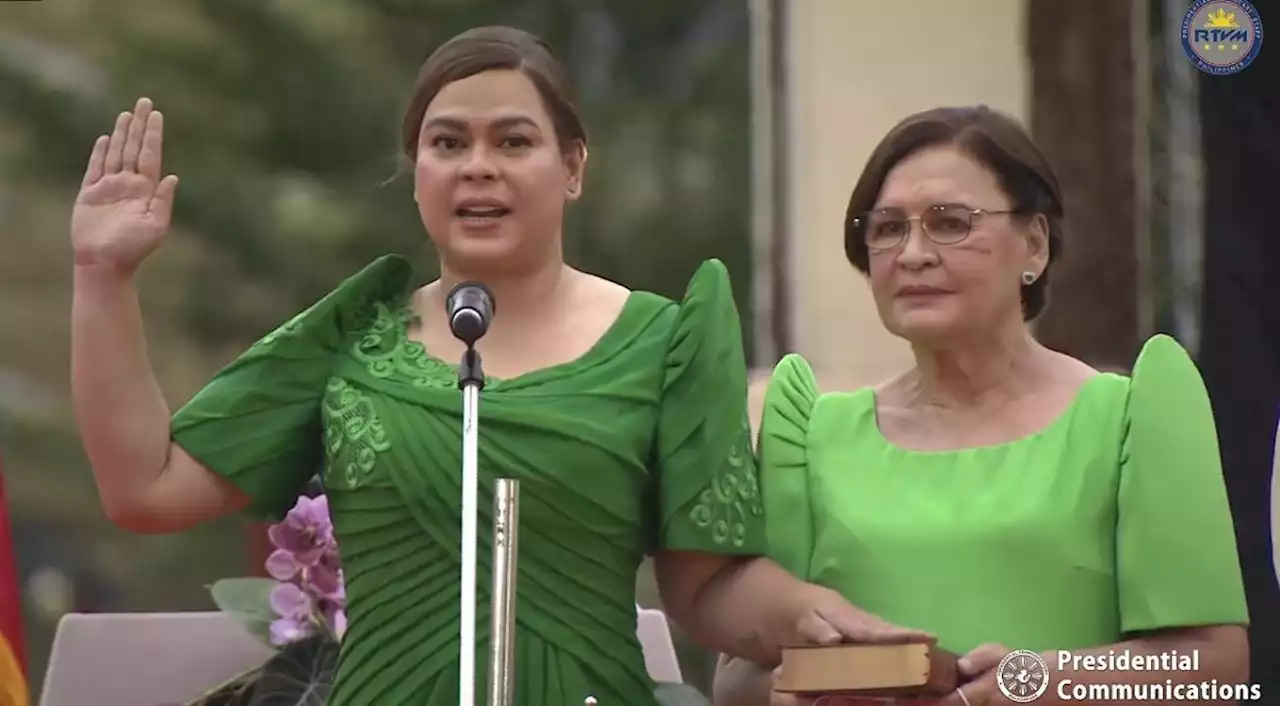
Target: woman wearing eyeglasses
1000 495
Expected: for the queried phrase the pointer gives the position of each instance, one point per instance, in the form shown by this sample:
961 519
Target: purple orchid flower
305 534
335 617
325 578
282 565
311 593
285 630
295 609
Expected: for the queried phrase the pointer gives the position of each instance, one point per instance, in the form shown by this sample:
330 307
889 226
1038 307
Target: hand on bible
826 618
977 671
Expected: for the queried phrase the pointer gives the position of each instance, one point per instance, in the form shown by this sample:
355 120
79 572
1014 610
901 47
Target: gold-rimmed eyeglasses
887 228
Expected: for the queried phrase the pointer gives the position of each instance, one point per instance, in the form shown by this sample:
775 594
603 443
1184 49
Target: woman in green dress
622 414
1000 495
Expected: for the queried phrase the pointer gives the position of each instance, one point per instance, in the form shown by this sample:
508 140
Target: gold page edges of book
902 669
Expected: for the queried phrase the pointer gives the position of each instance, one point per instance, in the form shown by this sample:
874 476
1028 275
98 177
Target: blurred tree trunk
1082 115
1240 348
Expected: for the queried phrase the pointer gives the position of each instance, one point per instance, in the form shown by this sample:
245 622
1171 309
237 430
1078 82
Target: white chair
659 649
127 659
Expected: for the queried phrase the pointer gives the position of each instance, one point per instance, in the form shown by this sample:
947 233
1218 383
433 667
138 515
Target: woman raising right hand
120 217
622 413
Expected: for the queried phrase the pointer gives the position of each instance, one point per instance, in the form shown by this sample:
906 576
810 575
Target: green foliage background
281 121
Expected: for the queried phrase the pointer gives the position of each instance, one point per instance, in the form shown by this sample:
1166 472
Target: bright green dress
1114 519
641 444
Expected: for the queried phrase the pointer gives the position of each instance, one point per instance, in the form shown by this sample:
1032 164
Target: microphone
470 309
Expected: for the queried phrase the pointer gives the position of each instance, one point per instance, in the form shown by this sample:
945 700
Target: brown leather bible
916 668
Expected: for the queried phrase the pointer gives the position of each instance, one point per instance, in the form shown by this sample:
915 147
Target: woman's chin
921 325
481 249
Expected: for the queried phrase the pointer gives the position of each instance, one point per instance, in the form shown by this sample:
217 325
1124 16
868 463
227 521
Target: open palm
123 210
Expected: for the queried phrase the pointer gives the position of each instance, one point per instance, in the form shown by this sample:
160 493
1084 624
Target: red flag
14 690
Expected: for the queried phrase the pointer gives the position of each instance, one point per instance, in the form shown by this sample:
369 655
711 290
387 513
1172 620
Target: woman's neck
977 371
518 295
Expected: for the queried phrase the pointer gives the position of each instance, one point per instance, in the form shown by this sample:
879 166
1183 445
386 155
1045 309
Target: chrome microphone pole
471 380
470 308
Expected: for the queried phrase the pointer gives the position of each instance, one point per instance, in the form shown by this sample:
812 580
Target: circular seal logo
1221 36
1023 676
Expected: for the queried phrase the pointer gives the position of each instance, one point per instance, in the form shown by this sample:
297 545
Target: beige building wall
851 69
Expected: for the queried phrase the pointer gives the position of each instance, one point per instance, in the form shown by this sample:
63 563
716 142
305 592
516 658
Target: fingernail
964 664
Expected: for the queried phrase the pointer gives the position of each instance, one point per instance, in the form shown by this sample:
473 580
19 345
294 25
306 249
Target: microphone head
468 326
470 308
469 294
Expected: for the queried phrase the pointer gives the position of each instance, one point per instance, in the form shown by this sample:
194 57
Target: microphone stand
469 307
471 381
506 523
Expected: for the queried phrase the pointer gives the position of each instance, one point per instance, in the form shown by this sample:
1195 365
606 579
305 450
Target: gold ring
963 698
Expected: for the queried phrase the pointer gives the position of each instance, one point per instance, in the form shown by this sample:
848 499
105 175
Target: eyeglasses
888 228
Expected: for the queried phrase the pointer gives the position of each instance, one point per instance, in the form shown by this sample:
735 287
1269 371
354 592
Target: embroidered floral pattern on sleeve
733 495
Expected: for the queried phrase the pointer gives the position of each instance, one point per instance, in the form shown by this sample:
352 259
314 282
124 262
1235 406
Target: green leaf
671 694
248 601
234 692
300 674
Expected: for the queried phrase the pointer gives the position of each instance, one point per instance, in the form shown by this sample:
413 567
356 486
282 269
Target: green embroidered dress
641 444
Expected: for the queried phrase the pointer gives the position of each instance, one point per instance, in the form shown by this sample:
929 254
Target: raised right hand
123 210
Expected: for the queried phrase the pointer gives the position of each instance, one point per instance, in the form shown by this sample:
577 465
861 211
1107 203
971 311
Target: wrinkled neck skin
979 370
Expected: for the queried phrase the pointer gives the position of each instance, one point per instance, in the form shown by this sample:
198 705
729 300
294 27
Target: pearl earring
1028 278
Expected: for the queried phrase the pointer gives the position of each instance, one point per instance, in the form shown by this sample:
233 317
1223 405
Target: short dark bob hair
989 136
